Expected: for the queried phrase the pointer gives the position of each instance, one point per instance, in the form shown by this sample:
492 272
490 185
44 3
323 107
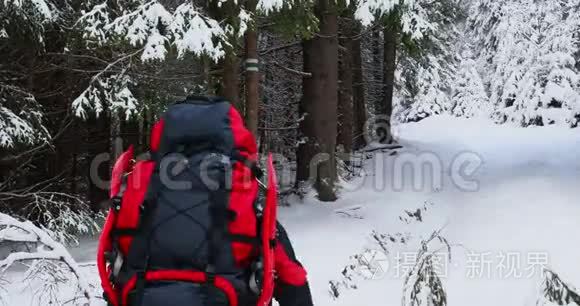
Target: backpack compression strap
138 255
106 245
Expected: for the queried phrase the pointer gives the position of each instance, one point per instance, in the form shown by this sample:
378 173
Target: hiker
187 227
291 288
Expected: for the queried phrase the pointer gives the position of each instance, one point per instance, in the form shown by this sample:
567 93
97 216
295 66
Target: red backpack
191 212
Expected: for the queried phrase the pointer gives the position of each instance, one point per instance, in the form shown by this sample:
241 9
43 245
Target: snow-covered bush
65 217
50 267
423 285
554 291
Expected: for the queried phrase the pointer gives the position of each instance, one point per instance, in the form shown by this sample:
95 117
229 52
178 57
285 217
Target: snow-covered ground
526 207
519 209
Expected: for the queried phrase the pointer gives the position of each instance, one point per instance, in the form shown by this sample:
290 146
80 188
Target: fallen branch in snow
411 216
382 148
49 257
370 264
353 212
422 284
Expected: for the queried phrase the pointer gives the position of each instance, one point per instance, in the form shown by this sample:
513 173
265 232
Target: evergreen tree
23 24
417 63
469 98
529 51
428 63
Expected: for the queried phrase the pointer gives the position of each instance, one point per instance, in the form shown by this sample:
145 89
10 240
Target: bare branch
301 73
278 48
13 159
278 128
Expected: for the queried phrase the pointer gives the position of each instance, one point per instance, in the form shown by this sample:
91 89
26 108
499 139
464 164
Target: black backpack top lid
198 126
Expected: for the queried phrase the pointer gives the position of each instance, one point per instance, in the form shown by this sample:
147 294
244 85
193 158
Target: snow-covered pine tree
529 52
429 91
152 32
469 98
20 117
428 65
22 22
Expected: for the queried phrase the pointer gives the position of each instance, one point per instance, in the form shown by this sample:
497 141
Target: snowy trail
528 202
527 205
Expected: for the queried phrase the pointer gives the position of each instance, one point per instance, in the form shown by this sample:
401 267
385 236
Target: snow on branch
368 10
144 27
47 256
372 263
469 98
64 216
268 6
31 15
554 290
195 33
107 92
94 23
42 7
13 128
527 50
20 117
152 27
423 285
414 14
415 19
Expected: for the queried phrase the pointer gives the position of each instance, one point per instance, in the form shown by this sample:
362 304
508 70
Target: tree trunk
345 92
207 79
98 143
140 145
305 150
115 139
389 67
377 73
320 102
252 75
359 105
230 87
